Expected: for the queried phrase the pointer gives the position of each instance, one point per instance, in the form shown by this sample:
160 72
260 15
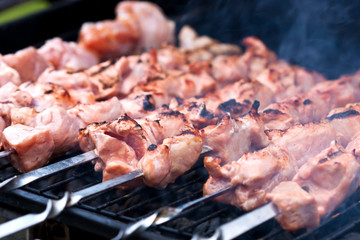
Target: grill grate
130 205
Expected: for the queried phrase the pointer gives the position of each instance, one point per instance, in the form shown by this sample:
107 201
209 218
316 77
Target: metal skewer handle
164 215
26 178
53 209
243 223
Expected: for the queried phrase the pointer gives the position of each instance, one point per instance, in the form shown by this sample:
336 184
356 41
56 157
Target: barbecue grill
104 214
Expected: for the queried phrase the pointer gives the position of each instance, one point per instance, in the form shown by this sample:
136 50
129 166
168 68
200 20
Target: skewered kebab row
157 145
246 133
103 137
24 116
87 136
319 186
256 174
35 136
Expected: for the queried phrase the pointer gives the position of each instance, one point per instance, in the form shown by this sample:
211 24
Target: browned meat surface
329 177
154 28
67 55
138 25
256 174
191 41
77 84
28 63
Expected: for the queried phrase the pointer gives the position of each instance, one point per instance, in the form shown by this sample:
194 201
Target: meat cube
183 151
329 177
33 146
67 55
8 74
28 63
297 207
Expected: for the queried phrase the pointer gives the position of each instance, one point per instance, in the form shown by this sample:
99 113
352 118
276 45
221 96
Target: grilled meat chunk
157 144
138 25
67 55
8 74
45 95
313 105
303 214
33 146
28 63
328 179
183 151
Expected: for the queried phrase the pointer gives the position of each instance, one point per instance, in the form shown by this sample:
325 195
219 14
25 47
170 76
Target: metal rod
53 209
26 178
75 197
243 223
6 153
165 214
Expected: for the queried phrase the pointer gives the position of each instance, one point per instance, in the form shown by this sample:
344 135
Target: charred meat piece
181 153
158 144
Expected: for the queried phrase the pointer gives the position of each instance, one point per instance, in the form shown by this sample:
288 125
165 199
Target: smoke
319 35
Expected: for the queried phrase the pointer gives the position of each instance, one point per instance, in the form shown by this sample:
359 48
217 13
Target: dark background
319 35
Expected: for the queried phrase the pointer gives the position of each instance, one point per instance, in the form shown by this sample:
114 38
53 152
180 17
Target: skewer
6 153
242 224
26 178
165 214
53 209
